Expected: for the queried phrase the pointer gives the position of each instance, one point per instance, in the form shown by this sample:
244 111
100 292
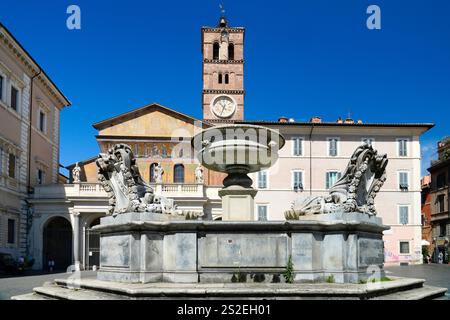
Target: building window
440 203
404 215
227 78
220 78
11 231
331 178
14 98
12 166
152 172
231 51
368 141
402 147
403 181
262 180
333 147
404 247
297 180
262 212
442 229
216 48
40 177
178 173
42 121
297 146
1 87
440 181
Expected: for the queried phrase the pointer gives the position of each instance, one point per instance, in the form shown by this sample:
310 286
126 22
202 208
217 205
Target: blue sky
303 58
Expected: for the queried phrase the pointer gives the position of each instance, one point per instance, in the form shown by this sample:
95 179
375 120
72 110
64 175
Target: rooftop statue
127 191
355 191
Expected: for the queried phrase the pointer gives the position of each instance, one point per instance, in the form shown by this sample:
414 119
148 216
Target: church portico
71 210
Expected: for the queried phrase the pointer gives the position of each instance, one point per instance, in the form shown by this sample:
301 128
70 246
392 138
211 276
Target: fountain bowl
237 148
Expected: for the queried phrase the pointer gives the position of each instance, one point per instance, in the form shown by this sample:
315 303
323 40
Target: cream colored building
30 105
317 152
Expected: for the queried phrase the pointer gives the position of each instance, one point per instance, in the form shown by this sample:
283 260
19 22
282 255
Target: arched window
152 172
220 78
216 48
178 173
227 78
231 51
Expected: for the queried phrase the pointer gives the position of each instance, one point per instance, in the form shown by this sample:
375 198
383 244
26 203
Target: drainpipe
29 208
30 123
310 159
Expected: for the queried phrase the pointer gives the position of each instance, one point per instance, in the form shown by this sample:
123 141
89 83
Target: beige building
315 154
30 104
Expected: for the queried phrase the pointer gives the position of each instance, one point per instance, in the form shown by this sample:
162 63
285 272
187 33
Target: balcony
174 190
95 190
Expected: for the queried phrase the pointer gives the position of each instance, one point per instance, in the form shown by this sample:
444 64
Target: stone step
248 290
425 292
62 293
31 296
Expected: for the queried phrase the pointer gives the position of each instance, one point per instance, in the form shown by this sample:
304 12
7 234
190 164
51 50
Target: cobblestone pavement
437 275
15 285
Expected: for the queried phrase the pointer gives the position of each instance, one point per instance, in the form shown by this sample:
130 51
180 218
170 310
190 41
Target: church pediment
149 121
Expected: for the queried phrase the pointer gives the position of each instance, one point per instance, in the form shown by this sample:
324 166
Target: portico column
76 239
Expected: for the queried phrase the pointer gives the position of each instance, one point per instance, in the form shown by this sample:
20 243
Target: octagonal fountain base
341 248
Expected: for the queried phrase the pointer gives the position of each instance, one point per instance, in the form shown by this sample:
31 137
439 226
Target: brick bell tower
223 72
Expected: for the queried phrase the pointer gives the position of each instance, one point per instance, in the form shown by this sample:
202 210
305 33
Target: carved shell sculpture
120 177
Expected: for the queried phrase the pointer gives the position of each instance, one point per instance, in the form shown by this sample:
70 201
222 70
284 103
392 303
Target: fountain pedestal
238 150
237 203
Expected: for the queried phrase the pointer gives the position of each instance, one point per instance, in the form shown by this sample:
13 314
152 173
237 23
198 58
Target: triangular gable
153 120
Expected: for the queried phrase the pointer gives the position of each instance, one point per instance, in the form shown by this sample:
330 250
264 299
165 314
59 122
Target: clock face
223 107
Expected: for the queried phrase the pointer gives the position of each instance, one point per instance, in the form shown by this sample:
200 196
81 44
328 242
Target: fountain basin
246 147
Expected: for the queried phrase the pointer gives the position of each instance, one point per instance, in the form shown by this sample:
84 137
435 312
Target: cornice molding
9 146
230 30
30 66
223 61
213 91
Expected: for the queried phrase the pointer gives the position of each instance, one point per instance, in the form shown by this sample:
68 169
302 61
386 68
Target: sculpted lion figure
355 191
120 177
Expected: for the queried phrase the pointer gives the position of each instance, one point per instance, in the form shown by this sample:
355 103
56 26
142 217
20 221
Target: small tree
289 273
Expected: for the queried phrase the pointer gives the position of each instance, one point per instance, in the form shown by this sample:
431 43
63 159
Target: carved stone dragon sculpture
127 191
355 191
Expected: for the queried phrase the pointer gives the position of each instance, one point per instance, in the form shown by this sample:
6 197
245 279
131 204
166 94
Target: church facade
311 161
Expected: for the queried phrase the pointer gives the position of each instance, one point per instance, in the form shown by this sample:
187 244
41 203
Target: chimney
316 119
339 120
283 119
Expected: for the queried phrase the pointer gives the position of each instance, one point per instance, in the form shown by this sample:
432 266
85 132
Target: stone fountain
328 246
237 150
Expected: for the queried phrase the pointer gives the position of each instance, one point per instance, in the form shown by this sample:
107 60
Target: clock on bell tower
223 72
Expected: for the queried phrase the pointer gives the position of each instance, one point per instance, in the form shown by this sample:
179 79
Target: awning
425 243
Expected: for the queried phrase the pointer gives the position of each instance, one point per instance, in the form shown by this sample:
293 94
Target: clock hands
223 108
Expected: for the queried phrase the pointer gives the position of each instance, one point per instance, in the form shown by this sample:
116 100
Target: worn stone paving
17 285
435 274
